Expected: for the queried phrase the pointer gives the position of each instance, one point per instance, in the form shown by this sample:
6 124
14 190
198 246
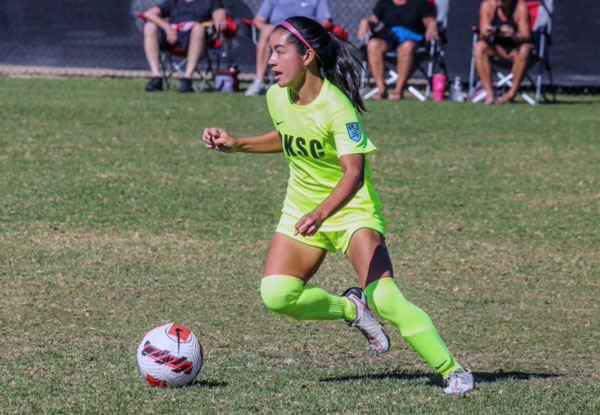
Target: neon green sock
290 296
414 324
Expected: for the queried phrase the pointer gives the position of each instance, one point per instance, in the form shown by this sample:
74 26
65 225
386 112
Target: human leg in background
152 51
404 66
483 53
258 86
519 67
376 49
196 49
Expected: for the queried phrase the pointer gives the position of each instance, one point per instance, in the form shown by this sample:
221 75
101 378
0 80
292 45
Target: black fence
106 34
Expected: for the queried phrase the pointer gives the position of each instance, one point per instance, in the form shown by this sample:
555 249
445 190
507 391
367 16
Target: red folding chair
173 60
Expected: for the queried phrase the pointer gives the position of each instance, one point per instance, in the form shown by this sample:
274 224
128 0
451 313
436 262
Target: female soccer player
331 204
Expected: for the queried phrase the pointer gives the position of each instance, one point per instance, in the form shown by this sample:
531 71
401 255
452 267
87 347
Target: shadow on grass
207 384
435 380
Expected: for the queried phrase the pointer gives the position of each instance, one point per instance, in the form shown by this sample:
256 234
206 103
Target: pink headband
292 29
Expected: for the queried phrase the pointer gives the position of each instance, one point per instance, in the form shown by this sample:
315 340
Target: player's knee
150 28
481 49
387 302
278 296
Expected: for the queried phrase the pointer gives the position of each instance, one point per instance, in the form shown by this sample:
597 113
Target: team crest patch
354 131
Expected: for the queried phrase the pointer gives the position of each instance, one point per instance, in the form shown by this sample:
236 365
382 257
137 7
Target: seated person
505 33
270 14
400 25
183 30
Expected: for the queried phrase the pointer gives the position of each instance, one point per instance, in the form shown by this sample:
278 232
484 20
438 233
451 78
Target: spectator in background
400 25
505 33
178 24
272 13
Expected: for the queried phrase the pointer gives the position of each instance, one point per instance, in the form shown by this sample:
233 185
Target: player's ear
309 57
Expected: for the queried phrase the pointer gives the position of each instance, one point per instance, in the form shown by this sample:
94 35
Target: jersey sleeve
379 9
265 10
347 131
323 12
165 8
426 9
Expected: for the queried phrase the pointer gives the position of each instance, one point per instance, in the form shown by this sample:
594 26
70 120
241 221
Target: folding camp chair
540 16
174 60
428 59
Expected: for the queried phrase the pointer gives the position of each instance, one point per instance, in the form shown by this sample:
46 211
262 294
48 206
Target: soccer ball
169 356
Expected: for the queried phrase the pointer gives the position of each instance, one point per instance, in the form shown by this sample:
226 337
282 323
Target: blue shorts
403 34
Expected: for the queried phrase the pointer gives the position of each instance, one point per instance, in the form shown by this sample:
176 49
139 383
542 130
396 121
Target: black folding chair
429 58
539 67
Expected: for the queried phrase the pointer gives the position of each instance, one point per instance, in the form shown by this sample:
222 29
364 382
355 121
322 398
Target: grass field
114 219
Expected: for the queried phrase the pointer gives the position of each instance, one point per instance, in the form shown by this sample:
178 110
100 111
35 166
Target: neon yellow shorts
334 241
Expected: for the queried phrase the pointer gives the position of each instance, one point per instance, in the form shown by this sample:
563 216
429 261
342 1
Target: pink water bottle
439 86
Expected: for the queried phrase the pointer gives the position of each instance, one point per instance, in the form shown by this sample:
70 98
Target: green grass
114 219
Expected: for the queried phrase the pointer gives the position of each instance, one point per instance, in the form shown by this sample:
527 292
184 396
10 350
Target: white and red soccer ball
169 356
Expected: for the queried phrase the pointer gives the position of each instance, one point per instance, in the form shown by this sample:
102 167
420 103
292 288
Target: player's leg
195 49
258 86
151 48
520 58
369 257
376 49
483 52
284 289
404 67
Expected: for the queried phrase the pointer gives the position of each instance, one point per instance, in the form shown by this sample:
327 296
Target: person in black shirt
504 32
400 25
178 24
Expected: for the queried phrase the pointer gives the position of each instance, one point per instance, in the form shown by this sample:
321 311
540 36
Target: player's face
285 61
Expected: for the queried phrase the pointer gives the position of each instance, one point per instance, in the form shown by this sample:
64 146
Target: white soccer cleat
365 322
256 88
458 382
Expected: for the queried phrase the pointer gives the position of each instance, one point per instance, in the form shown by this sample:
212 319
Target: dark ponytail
338 65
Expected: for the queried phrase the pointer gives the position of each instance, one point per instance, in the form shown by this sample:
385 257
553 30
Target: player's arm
219 19
364 28
218 139
353 166
154 15
431 31
523 33
486 12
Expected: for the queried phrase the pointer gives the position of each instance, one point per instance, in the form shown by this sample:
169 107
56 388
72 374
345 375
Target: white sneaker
365 322
458 382
256 88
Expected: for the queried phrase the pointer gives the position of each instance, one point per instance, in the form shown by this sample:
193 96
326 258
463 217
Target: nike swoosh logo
437 367
278 122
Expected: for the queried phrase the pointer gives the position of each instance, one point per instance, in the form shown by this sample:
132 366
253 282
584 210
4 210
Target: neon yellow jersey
313 137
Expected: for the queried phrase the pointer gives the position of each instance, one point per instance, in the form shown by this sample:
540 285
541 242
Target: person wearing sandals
399 25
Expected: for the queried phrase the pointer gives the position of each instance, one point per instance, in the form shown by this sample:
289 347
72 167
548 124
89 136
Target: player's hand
432 34
488 31
220 24
507 31
218 139
363 29
172 35
309 224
